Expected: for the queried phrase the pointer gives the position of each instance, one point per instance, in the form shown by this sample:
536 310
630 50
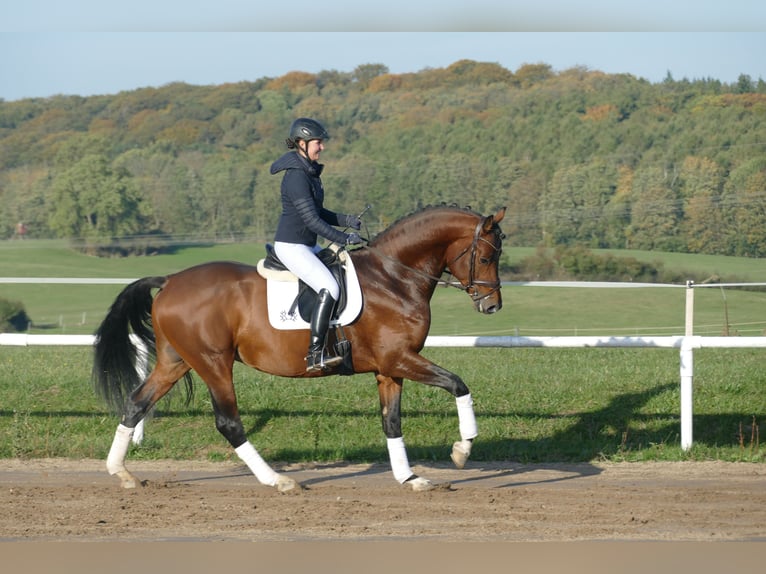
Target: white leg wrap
261 469
400 465
466 417
115 462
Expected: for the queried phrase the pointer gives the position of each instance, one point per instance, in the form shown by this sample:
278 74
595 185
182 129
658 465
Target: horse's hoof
127 480
420 484
461 450
287 484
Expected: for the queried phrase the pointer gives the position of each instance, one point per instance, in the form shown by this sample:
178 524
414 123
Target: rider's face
312 149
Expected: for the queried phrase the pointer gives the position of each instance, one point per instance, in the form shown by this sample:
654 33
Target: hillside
579 156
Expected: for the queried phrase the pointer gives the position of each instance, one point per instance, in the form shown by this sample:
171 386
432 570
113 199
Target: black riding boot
320 321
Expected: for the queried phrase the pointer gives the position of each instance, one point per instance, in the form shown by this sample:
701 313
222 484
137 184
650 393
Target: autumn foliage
580 157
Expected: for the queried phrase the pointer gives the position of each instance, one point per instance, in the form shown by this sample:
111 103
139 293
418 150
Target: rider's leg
303 262
320 321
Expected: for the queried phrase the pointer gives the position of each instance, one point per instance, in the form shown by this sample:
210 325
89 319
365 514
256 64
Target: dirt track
60 500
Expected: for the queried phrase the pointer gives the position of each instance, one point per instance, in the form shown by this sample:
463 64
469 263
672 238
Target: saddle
306 299
291 302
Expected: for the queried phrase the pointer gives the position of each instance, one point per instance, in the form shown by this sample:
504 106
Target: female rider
303 219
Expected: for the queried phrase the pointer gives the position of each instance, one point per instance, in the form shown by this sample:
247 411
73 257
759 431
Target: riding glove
353 239
353 222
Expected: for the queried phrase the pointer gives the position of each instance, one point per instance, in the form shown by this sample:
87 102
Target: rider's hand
353 239
353 222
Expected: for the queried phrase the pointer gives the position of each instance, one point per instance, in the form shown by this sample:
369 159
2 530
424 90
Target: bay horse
208 316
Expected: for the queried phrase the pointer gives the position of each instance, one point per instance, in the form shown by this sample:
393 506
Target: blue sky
85 47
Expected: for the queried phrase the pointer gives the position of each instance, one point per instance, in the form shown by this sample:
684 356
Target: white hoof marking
420 484
286 484
461 450
127 480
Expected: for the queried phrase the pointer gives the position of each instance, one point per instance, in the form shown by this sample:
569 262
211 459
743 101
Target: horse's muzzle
489 304
488 309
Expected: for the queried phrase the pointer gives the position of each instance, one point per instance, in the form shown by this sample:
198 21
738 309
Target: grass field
533 405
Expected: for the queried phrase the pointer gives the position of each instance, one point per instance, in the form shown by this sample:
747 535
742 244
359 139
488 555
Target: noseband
473 283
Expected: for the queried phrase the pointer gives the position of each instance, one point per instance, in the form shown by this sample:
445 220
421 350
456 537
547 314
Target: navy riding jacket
303 214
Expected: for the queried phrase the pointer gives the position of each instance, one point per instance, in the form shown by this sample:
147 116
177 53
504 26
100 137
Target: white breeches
303 262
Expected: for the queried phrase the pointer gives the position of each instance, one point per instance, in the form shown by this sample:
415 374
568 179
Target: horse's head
476 263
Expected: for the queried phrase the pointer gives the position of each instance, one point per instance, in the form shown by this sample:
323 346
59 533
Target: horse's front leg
461 450
390 393
420 369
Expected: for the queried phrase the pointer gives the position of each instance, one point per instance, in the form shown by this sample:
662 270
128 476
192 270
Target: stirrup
333 361
316 361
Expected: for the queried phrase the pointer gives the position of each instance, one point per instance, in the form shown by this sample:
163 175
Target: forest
580 157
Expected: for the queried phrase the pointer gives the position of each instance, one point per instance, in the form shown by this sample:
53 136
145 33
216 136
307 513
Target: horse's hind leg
159 382
228 422
115 461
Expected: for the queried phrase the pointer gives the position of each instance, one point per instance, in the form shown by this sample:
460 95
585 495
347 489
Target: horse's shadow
618 426
518 475
494 475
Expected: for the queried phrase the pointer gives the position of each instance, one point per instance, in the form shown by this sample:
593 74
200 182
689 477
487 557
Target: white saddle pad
282 289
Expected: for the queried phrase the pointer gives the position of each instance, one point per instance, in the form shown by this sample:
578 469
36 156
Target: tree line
580 157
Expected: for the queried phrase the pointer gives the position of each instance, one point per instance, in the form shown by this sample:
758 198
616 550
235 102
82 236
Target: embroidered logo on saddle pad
283 290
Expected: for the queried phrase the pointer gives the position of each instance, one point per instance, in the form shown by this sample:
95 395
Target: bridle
473 283
471 286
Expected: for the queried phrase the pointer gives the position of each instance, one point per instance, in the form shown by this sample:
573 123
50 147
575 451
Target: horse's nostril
493 308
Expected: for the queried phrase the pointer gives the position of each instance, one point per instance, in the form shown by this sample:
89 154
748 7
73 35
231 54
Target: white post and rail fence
686 344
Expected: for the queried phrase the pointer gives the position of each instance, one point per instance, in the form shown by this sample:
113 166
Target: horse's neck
423 252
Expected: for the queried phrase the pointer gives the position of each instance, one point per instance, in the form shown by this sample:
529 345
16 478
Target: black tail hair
115 351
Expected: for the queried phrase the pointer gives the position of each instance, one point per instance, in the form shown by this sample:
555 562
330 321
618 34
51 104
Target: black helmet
307 129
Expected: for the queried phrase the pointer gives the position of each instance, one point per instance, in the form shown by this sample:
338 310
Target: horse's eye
484 260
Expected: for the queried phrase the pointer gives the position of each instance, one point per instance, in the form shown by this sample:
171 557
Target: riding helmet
307 129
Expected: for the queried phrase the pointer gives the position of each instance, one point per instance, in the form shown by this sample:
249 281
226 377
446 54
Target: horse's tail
115 350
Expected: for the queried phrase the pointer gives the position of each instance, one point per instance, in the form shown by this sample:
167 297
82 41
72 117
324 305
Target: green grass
538 311
80 308
532 405
733 269
53 259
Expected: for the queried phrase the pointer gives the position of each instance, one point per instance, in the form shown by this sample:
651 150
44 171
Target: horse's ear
491 220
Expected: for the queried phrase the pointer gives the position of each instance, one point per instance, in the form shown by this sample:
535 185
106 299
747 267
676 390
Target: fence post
687 371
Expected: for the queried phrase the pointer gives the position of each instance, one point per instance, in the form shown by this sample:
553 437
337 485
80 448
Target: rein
472 282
